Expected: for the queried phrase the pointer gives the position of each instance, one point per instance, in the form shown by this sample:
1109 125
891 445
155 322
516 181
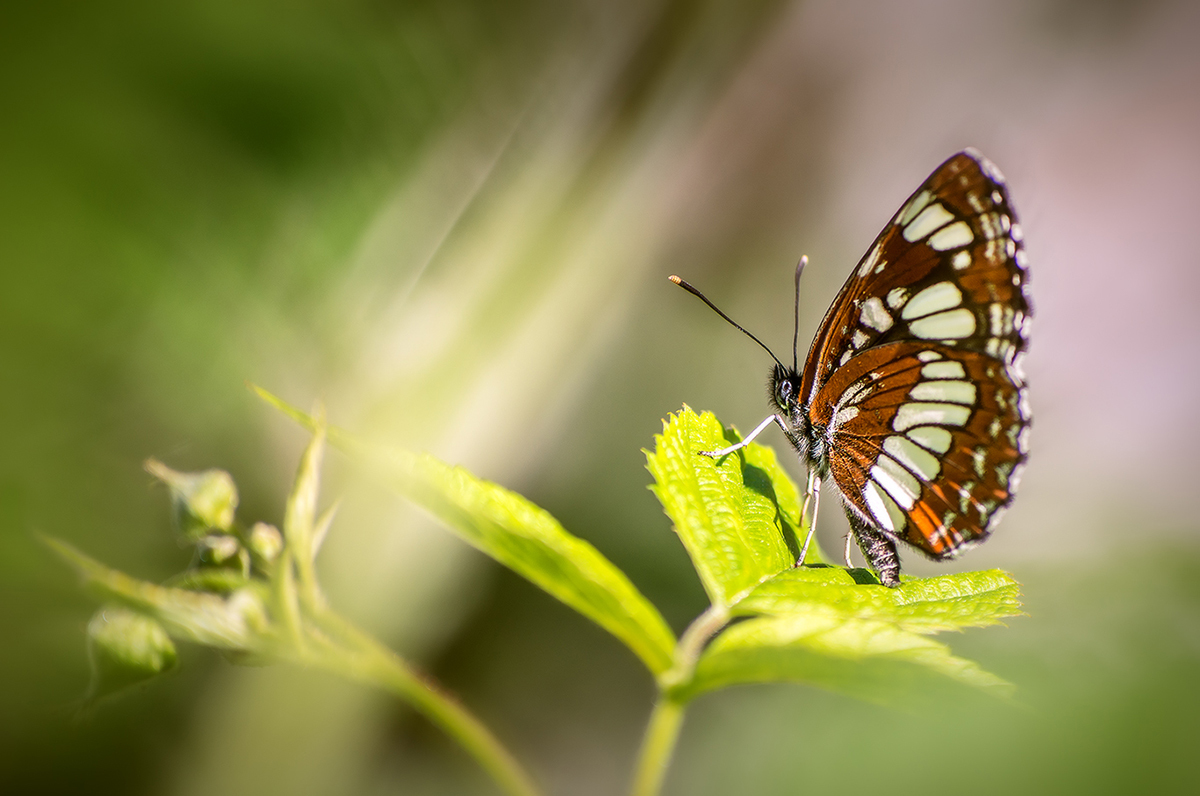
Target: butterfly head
785 395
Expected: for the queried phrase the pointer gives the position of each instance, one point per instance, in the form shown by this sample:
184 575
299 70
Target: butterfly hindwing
926 442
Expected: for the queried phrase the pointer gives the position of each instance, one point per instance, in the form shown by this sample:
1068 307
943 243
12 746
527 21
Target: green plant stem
663 730
355 655
691 644
697 635
659 743
284 588
306 580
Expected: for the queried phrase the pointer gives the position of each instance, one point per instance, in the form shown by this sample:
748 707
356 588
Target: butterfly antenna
796 326
731 321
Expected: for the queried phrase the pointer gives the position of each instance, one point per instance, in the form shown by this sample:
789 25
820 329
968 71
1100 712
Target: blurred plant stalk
255 596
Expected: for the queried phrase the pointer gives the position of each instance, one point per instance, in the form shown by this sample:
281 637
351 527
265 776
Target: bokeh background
452 221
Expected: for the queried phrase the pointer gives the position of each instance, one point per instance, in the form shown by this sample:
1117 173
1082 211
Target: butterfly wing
914 373
926 442
949 267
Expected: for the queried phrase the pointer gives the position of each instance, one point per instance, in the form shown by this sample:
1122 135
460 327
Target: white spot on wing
961 260
952 237
899 519
875 502
1016 371
1011 433
998 348
965 500
923 414
843 416
927 221
914 457
951 325
944 370
1002 471
958 392
1001 317
912 208
896 297
1014 479
935 298
995 520
875 316
896 481
990 223
979 457
870 261
932 437
994 428
859 339
854 393
929 356
987 166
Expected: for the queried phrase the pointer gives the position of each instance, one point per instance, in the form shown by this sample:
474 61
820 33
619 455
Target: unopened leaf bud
126 648
218 549
203 501
265 541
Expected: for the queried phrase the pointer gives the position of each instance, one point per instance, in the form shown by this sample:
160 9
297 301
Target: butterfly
912 401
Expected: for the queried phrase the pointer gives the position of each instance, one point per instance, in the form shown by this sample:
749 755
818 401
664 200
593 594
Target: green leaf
519 535
869 659
234 622
301 510
126 648
529 541
737 517
826 626
321 527
920 605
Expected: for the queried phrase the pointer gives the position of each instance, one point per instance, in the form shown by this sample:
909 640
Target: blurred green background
452 222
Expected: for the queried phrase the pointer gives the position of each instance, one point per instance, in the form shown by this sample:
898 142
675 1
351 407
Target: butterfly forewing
914 373
948 268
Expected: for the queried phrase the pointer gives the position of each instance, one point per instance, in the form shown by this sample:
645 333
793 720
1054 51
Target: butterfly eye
785 392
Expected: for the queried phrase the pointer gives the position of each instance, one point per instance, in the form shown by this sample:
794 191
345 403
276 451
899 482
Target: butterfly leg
812 495
748 438
879 551
849 536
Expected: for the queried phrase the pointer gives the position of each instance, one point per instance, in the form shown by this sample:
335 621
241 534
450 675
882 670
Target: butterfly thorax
806 437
